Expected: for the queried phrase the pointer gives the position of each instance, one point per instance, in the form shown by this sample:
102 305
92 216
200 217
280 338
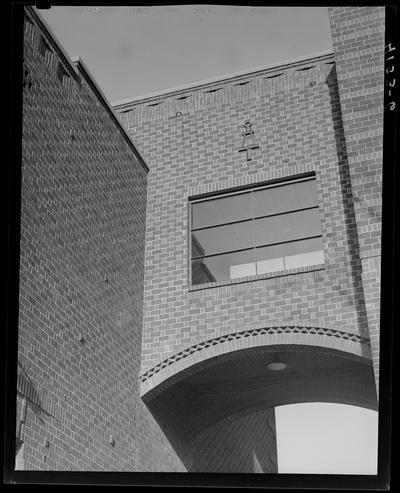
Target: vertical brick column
358 42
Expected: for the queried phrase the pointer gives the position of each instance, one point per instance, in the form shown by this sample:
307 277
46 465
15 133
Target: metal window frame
243 190
264 245
250 188
291 211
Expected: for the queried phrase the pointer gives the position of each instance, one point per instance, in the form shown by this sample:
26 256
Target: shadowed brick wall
81 277
246 444
358 38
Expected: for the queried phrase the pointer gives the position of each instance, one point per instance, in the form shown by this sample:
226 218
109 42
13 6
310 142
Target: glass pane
220 211
269 259
291 226
290 255
222 239
303 253
223 267
285 198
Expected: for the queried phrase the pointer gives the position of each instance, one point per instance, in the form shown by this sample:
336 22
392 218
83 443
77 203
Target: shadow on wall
236 444
219 416
356 298
26 389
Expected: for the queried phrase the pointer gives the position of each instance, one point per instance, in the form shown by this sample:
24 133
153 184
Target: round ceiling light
276 364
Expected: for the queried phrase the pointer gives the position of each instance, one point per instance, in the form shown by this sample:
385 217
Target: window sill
259 277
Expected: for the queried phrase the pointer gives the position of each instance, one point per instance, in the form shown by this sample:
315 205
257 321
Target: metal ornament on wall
248 143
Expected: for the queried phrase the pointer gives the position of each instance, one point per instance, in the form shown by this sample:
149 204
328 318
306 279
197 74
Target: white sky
324 438
132 51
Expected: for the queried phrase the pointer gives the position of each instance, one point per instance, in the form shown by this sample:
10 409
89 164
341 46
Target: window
258 231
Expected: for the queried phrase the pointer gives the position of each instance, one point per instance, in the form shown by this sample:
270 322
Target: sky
134 51
325 438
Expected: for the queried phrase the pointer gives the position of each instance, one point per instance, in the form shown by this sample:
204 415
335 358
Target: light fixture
276 364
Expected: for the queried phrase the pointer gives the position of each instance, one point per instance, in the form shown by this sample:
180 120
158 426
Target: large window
258 231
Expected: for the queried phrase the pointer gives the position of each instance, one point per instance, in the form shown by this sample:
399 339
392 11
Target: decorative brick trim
304 74
250 333
238 79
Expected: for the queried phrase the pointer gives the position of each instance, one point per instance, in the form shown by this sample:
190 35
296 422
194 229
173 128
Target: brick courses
358 42
298 127
83 239
245 444
321 115
81 275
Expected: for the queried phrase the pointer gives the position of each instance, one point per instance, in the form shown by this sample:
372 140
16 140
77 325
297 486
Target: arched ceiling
242 384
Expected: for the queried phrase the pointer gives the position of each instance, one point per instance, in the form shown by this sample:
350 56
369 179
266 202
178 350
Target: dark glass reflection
287 227
278 241
220 211
221 239
223 267
285 198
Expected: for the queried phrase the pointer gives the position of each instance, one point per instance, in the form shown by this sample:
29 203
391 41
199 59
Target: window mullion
254 231
274 224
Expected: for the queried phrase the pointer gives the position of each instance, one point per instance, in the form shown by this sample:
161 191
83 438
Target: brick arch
215 401
201 355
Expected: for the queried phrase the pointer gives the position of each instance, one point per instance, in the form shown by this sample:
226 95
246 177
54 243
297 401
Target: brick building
259 251
81 275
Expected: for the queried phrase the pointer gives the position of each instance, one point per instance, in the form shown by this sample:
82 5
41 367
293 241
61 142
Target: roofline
53 40
78 69
224 78
84 71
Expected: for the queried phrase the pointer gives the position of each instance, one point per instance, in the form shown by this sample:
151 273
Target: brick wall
244 444
83 237
191 138
358 42
81 276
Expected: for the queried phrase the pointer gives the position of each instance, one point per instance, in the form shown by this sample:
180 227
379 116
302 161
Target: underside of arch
218 414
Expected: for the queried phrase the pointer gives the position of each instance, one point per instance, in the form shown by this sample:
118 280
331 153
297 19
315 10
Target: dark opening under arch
219 414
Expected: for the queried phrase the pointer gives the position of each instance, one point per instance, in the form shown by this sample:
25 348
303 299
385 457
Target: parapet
260 82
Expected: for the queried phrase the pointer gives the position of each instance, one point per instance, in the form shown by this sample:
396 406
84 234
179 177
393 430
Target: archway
219 413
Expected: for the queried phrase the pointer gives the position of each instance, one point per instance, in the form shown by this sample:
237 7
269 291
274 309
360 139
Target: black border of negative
386 477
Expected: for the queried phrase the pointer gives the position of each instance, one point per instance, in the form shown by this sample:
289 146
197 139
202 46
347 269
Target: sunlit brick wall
358 36
191 140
